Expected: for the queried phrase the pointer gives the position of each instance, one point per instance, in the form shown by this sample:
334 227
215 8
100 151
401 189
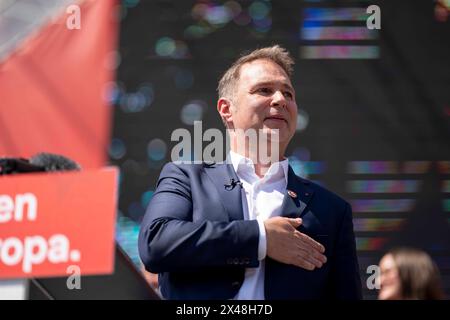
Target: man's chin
277 134
275 124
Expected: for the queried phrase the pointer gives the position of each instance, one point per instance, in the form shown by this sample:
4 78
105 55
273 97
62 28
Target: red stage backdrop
53 94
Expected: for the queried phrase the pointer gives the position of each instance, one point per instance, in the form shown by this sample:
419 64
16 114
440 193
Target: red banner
54 87
50 222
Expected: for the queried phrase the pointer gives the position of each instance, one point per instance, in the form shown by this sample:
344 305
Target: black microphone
18 165
54 162
42 162
233 183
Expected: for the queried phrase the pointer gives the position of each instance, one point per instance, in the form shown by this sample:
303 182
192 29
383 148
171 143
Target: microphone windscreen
18 165
54 162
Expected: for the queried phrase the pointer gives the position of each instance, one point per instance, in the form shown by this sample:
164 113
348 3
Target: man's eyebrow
265 83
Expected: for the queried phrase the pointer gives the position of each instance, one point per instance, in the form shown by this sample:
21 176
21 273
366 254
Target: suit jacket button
236 261
235 284
229 261
246 260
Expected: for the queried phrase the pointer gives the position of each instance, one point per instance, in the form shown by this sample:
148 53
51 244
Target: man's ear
224 109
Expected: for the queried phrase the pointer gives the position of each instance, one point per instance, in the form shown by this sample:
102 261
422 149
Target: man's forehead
262 66
263 71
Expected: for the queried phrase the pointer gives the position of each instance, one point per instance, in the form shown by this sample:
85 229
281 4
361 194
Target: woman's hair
419 275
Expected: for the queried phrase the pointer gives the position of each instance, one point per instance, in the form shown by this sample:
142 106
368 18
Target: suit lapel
296 197
293 206
231 199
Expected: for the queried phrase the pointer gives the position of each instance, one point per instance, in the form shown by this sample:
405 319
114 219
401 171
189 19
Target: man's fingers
314 254
295 222
306 265
304 261
313 257
312 248
288 245
310 241
299 260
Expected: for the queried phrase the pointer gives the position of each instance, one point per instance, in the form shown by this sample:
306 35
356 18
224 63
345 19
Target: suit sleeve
346 273
170 241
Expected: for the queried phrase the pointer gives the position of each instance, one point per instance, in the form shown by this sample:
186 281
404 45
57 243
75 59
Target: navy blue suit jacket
195 237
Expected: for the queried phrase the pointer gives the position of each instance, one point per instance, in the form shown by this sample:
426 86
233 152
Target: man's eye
288 94
264 90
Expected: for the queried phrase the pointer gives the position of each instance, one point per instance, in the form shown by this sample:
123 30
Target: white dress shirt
264 197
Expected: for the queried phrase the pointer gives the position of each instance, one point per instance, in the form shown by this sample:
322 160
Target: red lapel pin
292 194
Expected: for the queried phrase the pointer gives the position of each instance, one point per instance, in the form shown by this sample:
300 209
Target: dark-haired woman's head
407 273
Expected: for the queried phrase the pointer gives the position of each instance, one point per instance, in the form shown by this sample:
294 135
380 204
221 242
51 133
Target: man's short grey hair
279 55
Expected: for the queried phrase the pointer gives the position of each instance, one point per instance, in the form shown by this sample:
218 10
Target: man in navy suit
248 228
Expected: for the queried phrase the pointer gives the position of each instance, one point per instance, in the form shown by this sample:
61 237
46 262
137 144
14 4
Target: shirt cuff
262 243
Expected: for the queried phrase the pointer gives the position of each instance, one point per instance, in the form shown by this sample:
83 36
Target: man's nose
278 99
